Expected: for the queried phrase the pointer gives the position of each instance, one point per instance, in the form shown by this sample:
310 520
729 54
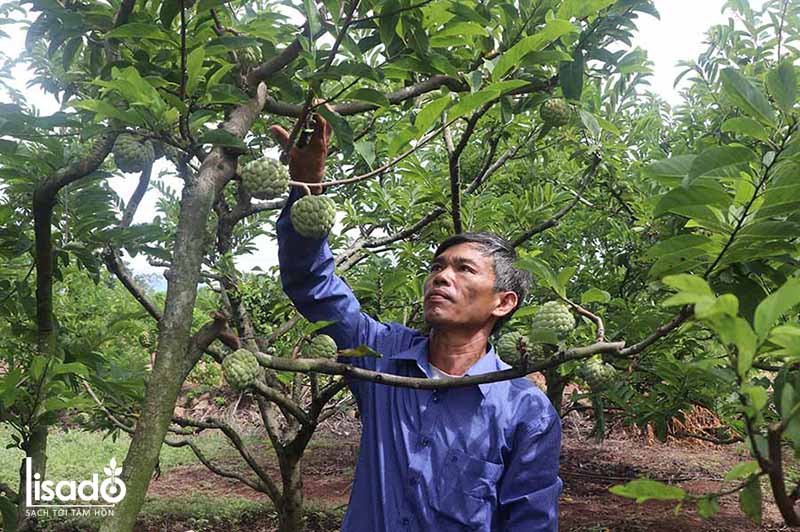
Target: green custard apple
241 369
265 178
313 216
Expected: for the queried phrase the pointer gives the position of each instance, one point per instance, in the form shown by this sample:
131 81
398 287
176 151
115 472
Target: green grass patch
77 454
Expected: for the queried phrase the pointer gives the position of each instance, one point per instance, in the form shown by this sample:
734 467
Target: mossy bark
174 339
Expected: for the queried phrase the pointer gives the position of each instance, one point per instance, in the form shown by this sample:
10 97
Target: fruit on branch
241 369
312 216
596 373
321 346
147 340
510 346
555 316
249 58
172 153
131 154
265 178
514 349
555 112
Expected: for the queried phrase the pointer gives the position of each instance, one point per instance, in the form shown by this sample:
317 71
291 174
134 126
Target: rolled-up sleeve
529 488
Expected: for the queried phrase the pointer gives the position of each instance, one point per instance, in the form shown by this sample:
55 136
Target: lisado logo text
67 497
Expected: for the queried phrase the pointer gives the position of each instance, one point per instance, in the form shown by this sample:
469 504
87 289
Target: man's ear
507 303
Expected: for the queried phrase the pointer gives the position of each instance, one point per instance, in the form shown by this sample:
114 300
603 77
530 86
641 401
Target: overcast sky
678 35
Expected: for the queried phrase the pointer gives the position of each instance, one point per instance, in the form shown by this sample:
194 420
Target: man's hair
506 276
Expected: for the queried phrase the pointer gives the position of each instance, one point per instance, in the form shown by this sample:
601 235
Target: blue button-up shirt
482 457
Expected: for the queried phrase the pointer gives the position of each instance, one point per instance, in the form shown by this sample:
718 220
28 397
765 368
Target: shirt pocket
466 492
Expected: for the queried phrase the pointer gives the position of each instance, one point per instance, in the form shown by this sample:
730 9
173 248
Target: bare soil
588 470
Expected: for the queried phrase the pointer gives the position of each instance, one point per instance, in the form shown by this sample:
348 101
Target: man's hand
307 163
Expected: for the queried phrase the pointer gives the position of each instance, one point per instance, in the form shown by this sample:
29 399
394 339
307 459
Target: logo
64 495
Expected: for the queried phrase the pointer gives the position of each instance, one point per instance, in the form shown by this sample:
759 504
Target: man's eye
466 268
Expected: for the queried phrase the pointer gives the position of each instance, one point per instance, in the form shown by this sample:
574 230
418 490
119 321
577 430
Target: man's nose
442 277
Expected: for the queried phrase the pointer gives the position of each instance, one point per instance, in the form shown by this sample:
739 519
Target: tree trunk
290 505
174 339
173 346
36 449
555 384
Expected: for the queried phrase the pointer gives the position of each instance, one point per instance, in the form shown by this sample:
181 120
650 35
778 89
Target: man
481 457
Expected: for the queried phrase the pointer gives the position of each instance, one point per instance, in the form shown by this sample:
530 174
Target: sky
678 35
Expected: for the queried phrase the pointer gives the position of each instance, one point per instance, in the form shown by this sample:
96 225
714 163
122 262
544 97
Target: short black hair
507 278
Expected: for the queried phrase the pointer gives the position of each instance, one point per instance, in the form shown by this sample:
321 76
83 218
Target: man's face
459 290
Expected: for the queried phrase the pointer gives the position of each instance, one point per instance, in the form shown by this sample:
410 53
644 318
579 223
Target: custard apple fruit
596 373
554 316
241 369
555 112
147 340
510 346
321 346
312 216
265 178
249 58
131 154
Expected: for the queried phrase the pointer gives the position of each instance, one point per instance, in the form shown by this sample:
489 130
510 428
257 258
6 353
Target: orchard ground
188 497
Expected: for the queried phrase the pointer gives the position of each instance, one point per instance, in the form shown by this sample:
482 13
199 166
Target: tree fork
174 342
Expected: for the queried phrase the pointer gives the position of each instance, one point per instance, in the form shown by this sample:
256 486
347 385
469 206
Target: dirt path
587 468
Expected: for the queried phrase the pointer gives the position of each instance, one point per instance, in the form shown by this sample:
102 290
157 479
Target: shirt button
435 397
454 459
405 521
425 442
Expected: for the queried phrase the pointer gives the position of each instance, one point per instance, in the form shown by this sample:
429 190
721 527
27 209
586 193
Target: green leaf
590 122
205 5
670 171
105 110
400 139
194 69
717 158
644 490
701 192
707 507
360 351
595 295
726 304
366 149
312 16
782 85
220 137
71 368
750 501
570 75
745 126
581 8
757 396
430 113
742 470
139 30
168 11
369 95
775 305
543 336
746 96
470 102
540 270
691 290
737 331
514 55
563 279
341 129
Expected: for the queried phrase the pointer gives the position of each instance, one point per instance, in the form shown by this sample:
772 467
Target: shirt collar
486 364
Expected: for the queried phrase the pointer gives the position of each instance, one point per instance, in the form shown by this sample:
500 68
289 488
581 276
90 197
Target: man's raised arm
307 266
